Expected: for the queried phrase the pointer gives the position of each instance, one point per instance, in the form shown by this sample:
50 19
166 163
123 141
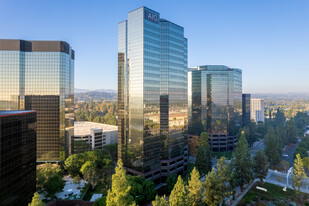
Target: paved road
258 145
290 152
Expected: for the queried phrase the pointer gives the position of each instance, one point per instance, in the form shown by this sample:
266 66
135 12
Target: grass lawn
227 154
274 194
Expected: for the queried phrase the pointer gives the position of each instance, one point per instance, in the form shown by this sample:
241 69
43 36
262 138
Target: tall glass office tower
215 103
152 100
39 75
246 99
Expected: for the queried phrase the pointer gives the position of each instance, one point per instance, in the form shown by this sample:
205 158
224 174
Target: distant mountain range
95 90
286 96
111 95
86 95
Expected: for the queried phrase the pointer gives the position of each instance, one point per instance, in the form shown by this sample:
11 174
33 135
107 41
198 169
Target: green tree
203 158
301 151
260 130
170 182
194 189
306 162
301 121
212 195
120 192
142 190
279 118
272 147
45 171
250 133
224 176
160 201
178 194
260 165
285 165
281 132
53 185
36 200
91 173
231 181
74 163
298 172
100 201
291 131
242 162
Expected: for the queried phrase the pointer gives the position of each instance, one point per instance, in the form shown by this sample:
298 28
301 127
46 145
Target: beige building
257 110
96 135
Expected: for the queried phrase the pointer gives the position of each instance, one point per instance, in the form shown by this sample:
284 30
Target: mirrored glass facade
17 157
39 75
215 100
246 99
152 88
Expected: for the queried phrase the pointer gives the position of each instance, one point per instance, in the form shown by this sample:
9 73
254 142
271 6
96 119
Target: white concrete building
257 110
95 134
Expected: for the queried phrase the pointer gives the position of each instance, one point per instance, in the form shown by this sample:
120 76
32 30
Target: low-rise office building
96 135
17 157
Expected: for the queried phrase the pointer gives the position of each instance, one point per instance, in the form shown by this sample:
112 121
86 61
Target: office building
95 135
257 110
17 157
39 75
152 95
246 99
215 104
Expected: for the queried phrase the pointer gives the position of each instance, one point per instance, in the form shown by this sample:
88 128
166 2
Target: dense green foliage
73 164
203 158
290 106
36 200
99 111
95 166
260 165
160 201
178 194
100 201
212 191
273 147
242 162
141 189
53 185
302 148
194 189
44 171
298 173
49 178
120 191
301 121
170 182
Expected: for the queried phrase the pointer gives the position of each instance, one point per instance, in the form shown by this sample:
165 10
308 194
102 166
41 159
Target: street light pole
290 171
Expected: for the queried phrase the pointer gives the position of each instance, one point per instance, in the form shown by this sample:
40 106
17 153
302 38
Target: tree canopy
120 191
203 158
242 162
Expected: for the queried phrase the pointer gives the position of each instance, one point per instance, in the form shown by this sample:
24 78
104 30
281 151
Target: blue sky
267 39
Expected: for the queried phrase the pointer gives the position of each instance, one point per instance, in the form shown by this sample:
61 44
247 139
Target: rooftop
84 127
11 113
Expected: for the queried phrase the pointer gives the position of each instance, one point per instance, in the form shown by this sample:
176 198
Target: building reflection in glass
215 100
152 94
39 75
